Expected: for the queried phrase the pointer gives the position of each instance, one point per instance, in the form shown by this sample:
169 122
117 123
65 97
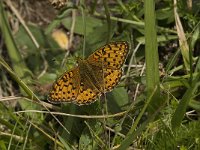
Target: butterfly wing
87 94
66 88
111 55
111 78
105 79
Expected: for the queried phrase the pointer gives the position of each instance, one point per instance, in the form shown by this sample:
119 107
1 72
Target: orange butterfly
97 74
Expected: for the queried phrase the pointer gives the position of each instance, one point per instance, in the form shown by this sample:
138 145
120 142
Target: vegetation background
155 106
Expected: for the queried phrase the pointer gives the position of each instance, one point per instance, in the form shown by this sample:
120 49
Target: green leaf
91 24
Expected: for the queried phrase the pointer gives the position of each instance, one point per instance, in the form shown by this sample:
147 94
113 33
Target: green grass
155 106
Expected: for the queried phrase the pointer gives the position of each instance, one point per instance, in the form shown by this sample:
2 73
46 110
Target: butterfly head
79 60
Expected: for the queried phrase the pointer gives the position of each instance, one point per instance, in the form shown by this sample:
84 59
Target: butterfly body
97 74
91 75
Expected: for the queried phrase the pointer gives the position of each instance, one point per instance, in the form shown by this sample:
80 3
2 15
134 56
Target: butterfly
94 76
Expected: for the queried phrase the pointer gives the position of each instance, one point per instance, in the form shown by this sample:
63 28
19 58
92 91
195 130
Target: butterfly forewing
111 55
66 88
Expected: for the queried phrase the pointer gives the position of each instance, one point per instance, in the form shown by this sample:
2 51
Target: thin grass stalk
151 55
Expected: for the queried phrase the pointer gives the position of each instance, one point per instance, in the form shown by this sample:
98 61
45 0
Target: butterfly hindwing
111 78
87 94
